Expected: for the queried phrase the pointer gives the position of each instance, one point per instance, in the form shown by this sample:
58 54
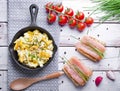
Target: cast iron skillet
33 11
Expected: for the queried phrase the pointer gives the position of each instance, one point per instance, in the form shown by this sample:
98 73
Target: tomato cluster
78 20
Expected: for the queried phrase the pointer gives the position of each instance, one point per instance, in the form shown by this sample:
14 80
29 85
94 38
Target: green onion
111 8
84 77
97 51
77 70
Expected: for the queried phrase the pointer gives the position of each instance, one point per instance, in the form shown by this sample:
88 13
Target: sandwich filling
91 48
78 73
87 51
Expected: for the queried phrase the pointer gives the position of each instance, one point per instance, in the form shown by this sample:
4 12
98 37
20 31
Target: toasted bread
91 48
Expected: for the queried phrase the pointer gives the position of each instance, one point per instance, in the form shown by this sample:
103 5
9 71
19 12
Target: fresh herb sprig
111 8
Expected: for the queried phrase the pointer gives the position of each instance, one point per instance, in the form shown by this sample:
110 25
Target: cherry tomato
89 21
79 15
51 18
81 26
59 7
62 20
69 12
72 22
49 5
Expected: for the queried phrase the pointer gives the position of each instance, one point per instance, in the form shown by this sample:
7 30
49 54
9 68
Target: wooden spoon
22 83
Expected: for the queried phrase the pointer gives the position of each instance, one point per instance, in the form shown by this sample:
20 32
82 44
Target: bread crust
73 74
87 51
101 42
86 70
91 48
91 41
88 55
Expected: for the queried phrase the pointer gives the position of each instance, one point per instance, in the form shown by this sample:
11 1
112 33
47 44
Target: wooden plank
110 62
105 31
106 84
3 58
3 80
66 84
3 34
3 10
85 6
109 33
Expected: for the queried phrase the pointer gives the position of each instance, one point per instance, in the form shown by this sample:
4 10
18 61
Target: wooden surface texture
109 32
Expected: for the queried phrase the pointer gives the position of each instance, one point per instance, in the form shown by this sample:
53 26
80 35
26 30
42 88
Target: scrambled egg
34 48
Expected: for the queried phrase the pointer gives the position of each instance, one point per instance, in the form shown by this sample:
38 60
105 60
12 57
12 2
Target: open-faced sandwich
91 48
77 71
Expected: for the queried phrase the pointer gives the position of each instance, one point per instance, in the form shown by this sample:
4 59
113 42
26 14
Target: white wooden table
108 32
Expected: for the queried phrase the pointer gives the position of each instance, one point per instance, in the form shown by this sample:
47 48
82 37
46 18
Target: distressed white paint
3 34
3 58
110 33
86 6
3 80
111 60
3 10
106 84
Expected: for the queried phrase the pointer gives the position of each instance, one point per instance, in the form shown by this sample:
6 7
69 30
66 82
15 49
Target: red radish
98 80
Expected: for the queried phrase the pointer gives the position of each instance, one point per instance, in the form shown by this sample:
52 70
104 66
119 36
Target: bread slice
83 68
91 41
87 51
77 72
75 78
69 76
101 42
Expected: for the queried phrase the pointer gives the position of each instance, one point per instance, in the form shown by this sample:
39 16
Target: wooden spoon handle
54 75
50 76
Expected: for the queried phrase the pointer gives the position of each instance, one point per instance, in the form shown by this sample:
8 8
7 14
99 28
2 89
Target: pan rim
20 33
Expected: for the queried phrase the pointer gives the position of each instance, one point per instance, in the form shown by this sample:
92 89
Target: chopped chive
80 72
111 8
97 51
77 70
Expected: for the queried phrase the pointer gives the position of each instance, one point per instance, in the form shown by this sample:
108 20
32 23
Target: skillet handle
33 11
